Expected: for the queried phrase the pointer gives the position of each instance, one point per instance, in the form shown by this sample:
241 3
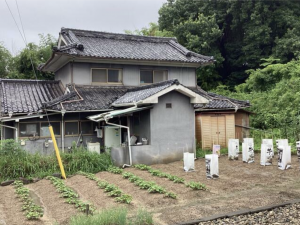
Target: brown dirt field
89 192
55 208
240 186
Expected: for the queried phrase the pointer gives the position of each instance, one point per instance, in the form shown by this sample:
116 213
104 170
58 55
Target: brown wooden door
218 131
222 131
214 130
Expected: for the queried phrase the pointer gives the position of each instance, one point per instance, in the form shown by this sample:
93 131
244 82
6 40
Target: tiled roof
30 96
219 101
124 46
143 92
27 96
90 98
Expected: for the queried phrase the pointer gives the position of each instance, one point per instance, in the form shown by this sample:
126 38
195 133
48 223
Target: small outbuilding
221 119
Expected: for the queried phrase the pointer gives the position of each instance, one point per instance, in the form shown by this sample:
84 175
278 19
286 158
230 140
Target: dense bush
15 162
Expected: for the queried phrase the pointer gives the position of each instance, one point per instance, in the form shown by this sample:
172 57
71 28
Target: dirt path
56 209
89 192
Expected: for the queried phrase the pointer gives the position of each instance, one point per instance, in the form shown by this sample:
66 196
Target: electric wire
26 45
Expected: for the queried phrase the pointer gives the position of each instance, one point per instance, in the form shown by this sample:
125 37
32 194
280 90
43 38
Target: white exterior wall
131 73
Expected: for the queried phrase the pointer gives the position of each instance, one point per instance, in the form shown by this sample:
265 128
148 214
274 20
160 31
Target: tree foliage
20 66
237 33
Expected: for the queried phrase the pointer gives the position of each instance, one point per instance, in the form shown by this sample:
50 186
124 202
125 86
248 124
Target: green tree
250 30
5 61
26 62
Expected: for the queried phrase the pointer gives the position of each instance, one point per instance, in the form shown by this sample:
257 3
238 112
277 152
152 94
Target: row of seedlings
32 210
71 196
150 186
111 189
175 179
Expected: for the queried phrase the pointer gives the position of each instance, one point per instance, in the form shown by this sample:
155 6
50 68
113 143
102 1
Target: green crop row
111 189
175 179
32 211
151 186
70 195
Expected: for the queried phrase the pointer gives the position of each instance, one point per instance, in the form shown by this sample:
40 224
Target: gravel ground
289 214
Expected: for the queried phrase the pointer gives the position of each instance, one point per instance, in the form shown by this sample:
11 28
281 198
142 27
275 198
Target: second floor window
153 76
106 76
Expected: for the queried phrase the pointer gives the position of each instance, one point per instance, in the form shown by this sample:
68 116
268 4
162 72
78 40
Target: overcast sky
48 16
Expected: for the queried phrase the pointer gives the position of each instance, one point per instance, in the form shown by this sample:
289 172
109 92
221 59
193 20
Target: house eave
65 58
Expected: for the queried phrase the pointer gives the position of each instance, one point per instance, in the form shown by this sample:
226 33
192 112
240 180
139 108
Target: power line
25 42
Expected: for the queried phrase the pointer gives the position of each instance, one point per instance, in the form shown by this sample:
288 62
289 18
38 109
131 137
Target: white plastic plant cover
248 150
233 149
298 149
269 143
212 166
284 157
265 155
217 150
188 161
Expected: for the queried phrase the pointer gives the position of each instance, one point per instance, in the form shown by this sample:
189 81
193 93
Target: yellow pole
57 153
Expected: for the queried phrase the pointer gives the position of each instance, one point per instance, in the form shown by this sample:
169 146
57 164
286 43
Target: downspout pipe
62 131
128 136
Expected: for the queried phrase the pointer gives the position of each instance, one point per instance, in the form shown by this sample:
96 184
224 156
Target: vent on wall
168 105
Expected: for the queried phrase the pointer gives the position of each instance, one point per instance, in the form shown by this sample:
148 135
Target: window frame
153 70
91 129
107 83
71 121
39 124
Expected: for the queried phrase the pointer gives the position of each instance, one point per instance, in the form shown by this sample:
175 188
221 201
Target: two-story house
106 85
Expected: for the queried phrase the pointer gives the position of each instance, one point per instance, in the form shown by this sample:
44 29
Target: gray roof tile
124 46
27 96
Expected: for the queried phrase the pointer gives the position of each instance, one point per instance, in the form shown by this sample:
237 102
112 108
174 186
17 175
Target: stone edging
239 213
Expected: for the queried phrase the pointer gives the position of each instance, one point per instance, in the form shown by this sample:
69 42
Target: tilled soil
283 215
240 186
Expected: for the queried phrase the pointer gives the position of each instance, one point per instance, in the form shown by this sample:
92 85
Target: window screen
114 76
87 127
146 77
160 75
71 128
29 129
99 75
45 129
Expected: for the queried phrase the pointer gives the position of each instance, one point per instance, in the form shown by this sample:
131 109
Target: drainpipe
128 137
62 131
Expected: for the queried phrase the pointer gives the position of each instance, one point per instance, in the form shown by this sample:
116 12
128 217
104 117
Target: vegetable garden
142 194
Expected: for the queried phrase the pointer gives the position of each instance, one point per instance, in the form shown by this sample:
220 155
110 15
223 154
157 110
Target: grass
114 216
15 162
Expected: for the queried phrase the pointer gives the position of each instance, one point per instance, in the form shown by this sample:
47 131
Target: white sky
48 16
